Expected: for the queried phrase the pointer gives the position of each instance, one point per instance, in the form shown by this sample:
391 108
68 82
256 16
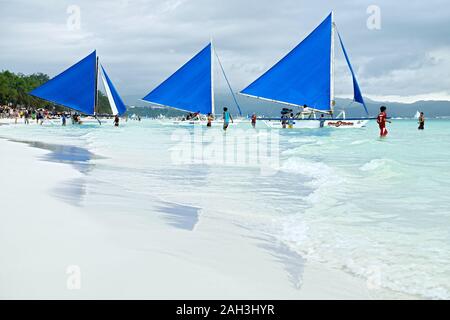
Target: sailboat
76 88
417 115
191 89
303 81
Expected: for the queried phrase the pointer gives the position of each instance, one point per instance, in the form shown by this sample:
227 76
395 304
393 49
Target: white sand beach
135 254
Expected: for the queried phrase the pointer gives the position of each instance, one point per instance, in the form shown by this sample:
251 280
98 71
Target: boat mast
212 79
332 98
96 87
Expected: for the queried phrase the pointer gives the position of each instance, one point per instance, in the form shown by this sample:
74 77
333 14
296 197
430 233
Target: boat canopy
190 87
76 88
305 76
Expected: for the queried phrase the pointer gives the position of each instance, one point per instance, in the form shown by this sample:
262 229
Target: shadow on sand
71 191
180 216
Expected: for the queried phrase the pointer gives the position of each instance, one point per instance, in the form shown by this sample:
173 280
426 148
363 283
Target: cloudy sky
141 42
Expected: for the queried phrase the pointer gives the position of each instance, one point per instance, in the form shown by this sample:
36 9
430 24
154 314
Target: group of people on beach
41 115
29 114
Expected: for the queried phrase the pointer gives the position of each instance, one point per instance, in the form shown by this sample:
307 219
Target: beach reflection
180 216
78 157
293 262
72 191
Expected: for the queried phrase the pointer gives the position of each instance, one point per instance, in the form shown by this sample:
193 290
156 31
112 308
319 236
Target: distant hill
260 107
405 110
152 112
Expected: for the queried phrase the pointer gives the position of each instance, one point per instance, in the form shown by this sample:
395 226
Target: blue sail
303 76
73 88
189 88
357 96
117 105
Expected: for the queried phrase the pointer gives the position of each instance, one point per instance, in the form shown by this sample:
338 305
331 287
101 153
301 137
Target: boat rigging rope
228 83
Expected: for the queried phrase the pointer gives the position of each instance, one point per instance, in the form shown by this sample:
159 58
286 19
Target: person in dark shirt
322 120
254 120
421 121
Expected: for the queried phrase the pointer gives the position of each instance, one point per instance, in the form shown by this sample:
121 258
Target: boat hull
315 124
189 123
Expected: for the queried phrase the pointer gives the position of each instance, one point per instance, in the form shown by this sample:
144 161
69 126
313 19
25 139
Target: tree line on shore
14 89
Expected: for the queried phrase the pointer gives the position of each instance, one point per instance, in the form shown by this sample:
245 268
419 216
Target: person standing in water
63 119
381 120
290 121
322 121
196 116
40 118
210 119
283 121
421 121
26 116
254 120
226 118
116 120
16 116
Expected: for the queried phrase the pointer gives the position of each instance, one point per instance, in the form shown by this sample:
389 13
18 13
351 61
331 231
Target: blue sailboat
77 88
304 78
191 87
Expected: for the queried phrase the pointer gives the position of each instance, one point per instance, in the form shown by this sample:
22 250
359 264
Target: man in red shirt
381 120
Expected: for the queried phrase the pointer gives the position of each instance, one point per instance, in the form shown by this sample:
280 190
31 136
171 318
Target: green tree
15 88
103 106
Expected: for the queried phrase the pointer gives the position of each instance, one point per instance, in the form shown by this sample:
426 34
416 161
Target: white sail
112 103
417 115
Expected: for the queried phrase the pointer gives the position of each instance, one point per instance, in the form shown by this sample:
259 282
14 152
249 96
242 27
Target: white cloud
141 42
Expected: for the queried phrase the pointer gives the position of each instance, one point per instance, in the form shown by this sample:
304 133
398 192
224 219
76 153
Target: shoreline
145 255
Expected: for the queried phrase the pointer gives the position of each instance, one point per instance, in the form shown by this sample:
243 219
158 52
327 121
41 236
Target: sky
400 50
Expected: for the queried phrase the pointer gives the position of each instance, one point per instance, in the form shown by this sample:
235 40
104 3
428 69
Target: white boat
202 122
309 124
190 123
304 80
312 122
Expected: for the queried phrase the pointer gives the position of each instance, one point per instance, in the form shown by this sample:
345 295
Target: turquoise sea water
376 208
